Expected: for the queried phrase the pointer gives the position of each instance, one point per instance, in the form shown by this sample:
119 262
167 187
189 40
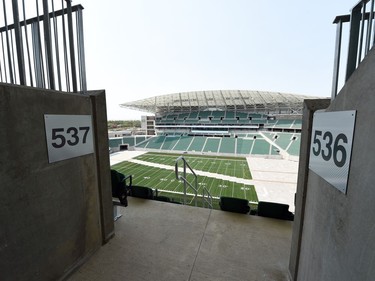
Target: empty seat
236 205
274 210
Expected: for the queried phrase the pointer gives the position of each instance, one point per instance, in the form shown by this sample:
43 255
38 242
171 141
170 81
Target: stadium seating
229 121
228 145
169 142
284 123
156 142
242 115
212 145
217 114
193 115
114 143
236 205
183 115
229 115
244 121
261 146
204 114
244 146
183 144
197 144
274 210
128 140
283 140
191 121
294 147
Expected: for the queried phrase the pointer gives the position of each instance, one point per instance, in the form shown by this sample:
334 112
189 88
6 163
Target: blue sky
142 48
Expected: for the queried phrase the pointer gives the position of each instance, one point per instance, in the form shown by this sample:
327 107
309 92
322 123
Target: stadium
293 174
218 132
233 123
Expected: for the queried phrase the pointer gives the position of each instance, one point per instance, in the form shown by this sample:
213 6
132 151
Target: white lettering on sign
331 146
68 136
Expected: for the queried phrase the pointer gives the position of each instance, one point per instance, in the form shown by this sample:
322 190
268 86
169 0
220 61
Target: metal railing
206 196
45 51
361 39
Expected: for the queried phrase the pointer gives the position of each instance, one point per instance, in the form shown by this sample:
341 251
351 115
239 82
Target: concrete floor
163 241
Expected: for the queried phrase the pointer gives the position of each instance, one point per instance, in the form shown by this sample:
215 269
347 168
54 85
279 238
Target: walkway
162 241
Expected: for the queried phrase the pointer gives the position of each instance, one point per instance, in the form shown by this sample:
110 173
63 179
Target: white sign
68 136
331 146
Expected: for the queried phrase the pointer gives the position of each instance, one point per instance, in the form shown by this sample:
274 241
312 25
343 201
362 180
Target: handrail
361 40
207 200
54 58
184 179
206 196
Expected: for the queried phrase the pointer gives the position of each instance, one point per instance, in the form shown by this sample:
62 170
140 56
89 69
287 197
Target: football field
149 173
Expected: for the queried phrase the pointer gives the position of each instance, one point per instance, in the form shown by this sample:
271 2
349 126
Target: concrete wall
51 215
334 240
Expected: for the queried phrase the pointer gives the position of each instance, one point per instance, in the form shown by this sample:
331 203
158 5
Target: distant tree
123 124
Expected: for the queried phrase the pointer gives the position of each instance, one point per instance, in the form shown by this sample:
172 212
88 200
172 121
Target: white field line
203 173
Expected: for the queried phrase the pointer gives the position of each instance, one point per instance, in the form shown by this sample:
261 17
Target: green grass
167 185
234 167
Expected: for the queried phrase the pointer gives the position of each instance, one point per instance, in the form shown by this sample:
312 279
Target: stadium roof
234 100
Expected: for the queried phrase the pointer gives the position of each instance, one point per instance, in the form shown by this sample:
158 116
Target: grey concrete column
309 107
103 165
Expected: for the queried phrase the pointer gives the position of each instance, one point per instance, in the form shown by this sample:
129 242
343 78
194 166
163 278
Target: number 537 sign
68 136
331 146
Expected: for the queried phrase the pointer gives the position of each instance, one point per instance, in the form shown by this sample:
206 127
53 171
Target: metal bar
82 47
5 68
196 191
39 56
37 61
39 49
184 179
336 63
8 44
361 36
78 53
66 63
369 26
13 59
184 182
40 18
19 45
27 45
34 53
48 46
342 18
353 41
71 46
1 69
56 46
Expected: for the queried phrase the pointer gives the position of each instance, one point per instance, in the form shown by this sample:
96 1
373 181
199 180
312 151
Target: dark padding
119 187
162 198
274 210
236 205
142 192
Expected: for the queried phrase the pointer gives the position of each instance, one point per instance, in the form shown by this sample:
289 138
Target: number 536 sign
331 146
68 136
